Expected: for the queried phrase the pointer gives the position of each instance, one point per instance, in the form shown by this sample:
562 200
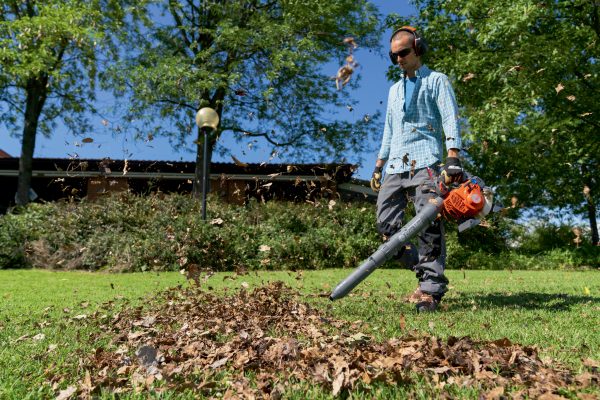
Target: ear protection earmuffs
419 44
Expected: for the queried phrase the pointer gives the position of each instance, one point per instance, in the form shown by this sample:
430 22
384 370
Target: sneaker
428 304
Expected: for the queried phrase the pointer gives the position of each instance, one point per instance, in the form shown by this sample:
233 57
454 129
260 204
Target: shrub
132 233
158 232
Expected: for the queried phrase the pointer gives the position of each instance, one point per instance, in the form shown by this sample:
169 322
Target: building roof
4 154
144 169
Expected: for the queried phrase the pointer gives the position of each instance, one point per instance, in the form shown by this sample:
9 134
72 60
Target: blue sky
373 90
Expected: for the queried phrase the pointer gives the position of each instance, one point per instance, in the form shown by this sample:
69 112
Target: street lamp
206 119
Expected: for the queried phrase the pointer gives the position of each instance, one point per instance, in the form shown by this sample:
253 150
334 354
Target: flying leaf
559 87
238 162
331 204
468 77
515 68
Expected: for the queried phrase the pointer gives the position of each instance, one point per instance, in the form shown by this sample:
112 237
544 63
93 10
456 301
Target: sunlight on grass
42 312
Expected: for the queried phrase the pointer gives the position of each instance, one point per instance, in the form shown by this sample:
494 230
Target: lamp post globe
206 119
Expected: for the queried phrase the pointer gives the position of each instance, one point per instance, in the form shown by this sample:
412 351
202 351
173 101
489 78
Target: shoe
428 304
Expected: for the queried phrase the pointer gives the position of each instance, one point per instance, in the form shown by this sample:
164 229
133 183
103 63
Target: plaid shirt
415 136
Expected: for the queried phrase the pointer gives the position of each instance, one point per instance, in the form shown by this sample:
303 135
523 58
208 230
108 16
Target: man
422 115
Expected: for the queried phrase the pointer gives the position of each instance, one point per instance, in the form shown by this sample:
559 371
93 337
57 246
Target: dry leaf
200 331
559 87
67 393
219 363
495 394
468 77
402 322
238 162
338 383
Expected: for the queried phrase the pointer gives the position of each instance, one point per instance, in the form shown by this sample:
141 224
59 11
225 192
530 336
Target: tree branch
263 135
178 103
595 18
179 22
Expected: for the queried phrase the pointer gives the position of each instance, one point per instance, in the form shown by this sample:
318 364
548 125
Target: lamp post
206 118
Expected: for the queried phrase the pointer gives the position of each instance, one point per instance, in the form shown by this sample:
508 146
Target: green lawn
43 314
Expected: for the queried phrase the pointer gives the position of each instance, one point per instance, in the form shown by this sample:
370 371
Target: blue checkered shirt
415 136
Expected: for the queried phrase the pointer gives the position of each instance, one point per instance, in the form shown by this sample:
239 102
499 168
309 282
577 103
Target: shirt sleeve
448 108
386 141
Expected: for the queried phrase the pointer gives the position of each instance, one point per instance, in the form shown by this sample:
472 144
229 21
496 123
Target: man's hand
453 170
376 179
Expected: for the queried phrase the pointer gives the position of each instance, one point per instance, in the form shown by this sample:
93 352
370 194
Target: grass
557 311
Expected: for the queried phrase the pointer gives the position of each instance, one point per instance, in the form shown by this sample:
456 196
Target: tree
527 76
258 63
49 54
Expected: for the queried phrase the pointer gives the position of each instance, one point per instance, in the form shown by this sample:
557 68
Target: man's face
409 62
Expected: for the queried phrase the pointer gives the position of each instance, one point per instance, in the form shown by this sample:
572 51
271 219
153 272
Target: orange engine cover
466 201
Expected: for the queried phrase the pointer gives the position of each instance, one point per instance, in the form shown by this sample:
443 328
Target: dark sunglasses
402 53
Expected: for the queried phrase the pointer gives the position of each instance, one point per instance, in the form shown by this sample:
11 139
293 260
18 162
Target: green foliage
258 63
505 244
527 76
129 233
51 50
132 233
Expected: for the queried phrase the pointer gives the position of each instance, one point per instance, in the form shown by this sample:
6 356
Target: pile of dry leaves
196 340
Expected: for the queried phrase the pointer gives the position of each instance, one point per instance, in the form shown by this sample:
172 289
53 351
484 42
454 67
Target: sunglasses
402 53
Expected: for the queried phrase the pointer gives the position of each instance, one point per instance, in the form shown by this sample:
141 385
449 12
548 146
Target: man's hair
399 34
418 42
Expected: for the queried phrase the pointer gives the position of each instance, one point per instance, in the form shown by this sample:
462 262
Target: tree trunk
36 97
593 223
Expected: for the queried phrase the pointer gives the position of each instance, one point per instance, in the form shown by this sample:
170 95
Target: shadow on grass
520 300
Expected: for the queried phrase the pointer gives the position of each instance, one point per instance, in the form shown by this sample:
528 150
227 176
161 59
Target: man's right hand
453 171
376 179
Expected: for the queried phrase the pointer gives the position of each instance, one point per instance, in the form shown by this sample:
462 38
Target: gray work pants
397 190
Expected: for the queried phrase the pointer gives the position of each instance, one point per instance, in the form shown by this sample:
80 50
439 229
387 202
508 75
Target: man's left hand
453 170
376 179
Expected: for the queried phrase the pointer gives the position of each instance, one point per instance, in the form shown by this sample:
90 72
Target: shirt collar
421 72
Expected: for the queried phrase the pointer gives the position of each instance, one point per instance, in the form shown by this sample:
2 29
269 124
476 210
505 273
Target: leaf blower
467 203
